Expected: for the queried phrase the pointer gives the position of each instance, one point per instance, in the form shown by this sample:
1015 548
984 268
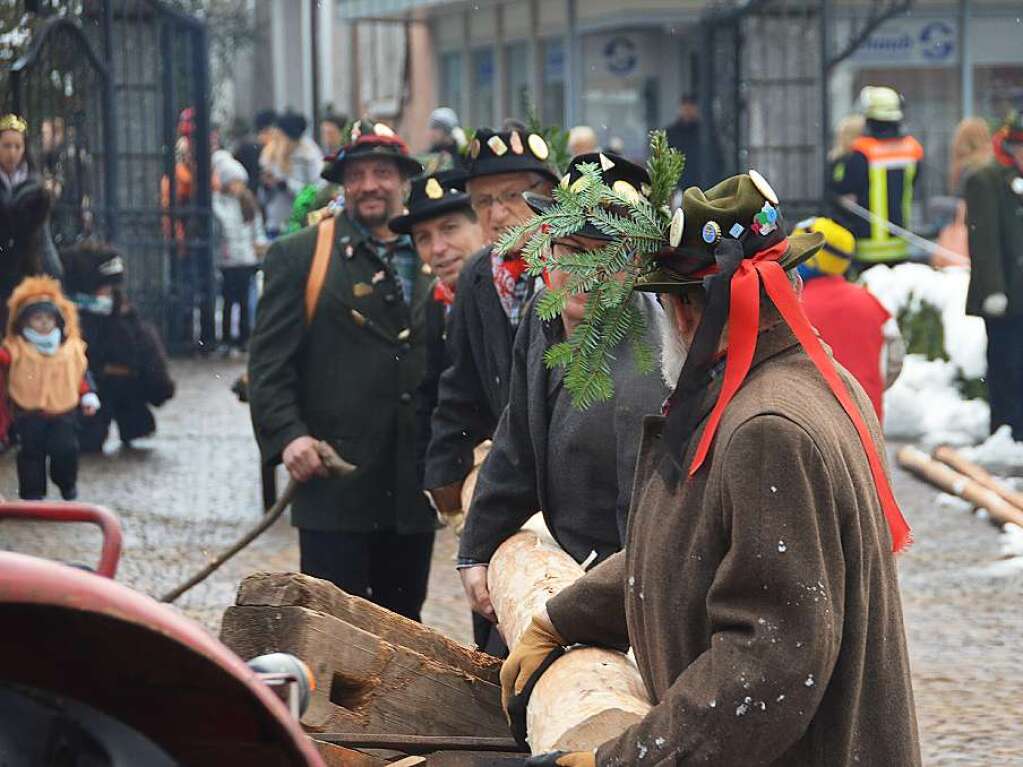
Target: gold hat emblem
763 187
516 143
383 130
538 146
678 224
474 148
13 122
626 190
497 145
564 181
433 189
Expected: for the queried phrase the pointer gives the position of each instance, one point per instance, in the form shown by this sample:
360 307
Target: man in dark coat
758 586
685 134
445 232
492 294
348 376
575 466
994 210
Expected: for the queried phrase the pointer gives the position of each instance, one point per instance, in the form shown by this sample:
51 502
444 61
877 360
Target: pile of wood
948 470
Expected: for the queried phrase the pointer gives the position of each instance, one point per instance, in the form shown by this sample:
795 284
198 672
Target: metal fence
124 85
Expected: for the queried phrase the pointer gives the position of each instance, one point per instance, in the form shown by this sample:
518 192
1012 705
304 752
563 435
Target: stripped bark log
951 481
954 459
590 694
469 486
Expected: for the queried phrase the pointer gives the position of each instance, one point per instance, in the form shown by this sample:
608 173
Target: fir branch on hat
556 138
638 228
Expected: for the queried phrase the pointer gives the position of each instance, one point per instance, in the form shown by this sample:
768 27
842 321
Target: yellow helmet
836 255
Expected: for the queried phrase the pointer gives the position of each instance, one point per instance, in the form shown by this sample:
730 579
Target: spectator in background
250 148
447 140
332 137
849 129
863 336
240 245
702 167
971 149
287 164
582 139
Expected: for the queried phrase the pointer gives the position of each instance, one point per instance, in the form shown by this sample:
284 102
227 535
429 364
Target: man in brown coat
758 587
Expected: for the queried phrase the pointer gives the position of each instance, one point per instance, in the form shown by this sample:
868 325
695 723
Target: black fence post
110 127
204 250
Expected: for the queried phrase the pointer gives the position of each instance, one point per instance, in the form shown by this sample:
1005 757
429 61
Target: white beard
673 349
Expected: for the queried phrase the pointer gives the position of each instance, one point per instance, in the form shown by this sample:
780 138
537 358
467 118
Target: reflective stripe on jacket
892 168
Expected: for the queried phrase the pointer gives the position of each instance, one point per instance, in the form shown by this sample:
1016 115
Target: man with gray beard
758 585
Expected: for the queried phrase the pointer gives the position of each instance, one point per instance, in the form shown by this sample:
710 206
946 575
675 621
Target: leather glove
995 304
563 759
448 499
539 647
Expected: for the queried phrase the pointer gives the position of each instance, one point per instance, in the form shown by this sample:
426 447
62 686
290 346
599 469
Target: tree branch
897 8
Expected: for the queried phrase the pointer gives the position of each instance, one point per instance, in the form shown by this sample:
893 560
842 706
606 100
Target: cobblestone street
194 488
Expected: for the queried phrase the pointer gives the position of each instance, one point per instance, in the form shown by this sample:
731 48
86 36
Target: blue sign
621 56
911 42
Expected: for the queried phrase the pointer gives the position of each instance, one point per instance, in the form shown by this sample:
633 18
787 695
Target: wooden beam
590 694
954 459
365 683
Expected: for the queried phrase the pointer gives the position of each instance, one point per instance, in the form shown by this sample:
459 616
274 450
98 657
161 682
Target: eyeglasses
484 202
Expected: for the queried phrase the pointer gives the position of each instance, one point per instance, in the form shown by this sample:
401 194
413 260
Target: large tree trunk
590 694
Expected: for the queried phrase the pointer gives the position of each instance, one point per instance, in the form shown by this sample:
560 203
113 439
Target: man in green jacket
348 374
994 214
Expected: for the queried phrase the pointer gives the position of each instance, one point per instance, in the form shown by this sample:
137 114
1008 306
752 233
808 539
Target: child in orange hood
47 382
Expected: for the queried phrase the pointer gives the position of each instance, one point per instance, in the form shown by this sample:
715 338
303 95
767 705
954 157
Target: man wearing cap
338 351
879 176
994 211
574 465
863 336
447 139
445 232
758 586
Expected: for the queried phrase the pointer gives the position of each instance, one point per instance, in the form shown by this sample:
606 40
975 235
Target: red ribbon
443 294
743 328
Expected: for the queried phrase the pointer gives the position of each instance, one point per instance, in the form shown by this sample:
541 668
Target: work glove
538 648
563 759
448 499
995 305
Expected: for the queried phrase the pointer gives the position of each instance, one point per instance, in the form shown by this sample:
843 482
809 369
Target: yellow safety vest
883 156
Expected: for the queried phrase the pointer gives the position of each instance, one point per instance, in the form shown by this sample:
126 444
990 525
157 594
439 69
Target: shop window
482 102
554 66
451 80
516 86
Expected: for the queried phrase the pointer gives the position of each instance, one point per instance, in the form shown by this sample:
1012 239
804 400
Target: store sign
918 42
621 55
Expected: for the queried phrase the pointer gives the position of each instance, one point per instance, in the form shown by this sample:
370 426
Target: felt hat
88 266
431 196
494 152
623 176
881 103
743 208
369 140
835 257
292 125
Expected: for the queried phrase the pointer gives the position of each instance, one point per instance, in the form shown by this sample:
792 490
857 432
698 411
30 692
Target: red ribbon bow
744 323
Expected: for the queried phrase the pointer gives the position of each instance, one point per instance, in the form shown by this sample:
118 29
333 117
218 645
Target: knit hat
265 119
431 196
492 153
371 140
881 103
88 266
444 118
292 124
836 255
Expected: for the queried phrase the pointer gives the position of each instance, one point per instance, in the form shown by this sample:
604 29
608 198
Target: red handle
101 516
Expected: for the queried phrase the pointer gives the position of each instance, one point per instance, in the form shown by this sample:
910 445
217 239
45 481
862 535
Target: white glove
995 304
90 399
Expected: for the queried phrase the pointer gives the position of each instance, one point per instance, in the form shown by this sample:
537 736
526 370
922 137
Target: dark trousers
44 437
235 291
1005 372
387 568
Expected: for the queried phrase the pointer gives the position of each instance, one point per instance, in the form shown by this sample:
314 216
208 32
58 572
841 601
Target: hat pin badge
711 232
538 146
497 145
763 187
1017 185
626 190
381 129
678 224
433 189
605 162
516 143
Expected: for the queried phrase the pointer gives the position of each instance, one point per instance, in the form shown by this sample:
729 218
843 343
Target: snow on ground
998 451
1012 541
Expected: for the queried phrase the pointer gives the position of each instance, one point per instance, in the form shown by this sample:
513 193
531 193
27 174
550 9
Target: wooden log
297 590
469 486
590 694
951 481
338 756
365 683
954 459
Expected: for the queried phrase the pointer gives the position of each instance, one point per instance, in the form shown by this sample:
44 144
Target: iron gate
130 81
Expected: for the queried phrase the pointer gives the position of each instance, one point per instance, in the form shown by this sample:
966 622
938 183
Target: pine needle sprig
665 167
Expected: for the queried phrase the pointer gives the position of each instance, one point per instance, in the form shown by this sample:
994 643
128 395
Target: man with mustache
339 350
492 293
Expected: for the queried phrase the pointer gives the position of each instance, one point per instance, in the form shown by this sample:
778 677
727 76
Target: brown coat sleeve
592 610
775 608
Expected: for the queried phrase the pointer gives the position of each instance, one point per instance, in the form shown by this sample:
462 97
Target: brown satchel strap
318 270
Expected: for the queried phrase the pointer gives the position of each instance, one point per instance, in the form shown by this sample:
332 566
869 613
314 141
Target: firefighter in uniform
878 175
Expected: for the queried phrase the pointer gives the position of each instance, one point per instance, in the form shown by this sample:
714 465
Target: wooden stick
590 694
336 466
952 457
417 744
951 481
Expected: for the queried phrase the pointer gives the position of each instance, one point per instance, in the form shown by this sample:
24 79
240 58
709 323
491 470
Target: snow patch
954 502
1012 541
997 451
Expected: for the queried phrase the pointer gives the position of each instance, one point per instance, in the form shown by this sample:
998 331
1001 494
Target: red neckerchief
743 325
507 271
443 294
1003 156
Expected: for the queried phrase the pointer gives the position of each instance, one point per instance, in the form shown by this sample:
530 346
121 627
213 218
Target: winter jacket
238 238
306 164
587 456
26 246
760 596
994 219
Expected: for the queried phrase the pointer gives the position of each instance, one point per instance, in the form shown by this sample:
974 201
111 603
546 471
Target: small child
47 382
126 358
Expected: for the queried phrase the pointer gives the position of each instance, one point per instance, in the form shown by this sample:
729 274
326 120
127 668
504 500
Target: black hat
623 176
492 152
371 140
265 119
88 266
292 124
432 196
